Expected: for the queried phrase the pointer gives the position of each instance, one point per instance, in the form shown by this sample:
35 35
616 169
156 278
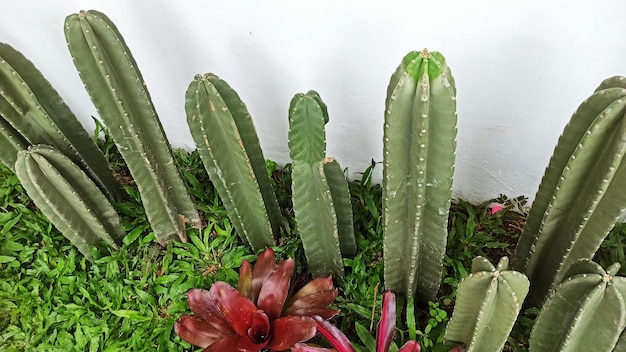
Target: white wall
521 67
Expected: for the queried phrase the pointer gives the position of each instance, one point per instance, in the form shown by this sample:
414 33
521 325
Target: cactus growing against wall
581 194
227 142
313 198
117 89
586 312
419 152
487 305
32 112
68 198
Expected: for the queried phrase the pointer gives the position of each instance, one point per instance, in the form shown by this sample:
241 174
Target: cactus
313 197
488 302
68 198
586 312
31 108
581 194
227 142
419 152
340 194
118 92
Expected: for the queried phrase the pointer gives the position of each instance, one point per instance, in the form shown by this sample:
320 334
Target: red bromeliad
384 334
258 315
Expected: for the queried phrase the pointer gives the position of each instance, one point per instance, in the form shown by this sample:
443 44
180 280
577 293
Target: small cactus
32 112
418 158
118 92
229 147
586 312
68 198
315 188
487 305
581 195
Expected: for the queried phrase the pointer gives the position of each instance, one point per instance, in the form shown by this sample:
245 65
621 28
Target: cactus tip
425 54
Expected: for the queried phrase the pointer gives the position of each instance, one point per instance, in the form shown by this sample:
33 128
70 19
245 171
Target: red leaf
236 308
228 344
287 331
387 323
245 278
333 335
319 285
201 303
275 289
410 346
313 297
264 264
196 331
325 313
259 331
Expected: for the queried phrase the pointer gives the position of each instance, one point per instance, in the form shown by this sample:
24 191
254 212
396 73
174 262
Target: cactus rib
581 194
68 197
36 111
419 152
117 89
338 186
224 152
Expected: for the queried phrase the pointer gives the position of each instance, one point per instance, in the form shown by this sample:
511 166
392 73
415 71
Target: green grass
52 299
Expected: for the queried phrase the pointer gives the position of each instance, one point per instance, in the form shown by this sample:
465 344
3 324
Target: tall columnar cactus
32 109
488 302
586 312
117 89
68 198
229 147
313 197
582 192
419 152
340 193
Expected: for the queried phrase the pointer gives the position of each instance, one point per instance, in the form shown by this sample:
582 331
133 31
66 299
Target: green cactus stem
581 194
340 193
34 110
312 199
487 305
118 92
586 312
418 158
68 198
227 142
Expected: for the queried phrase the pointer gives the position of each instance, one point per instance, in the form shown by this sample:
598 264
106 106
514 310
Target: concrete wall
521 67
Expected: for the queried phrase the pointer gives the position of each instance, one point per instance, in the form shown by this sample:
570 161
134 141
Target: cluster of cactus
487 305
118 92
419 152
586 312
581 195
227 142
321 201
32 112
68 197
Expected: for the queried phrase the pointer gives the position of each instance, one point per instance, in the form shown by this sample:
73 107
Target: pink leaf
387 323
201 303
196 331
259 331
410 346
245 278
333 335
301 347
264 264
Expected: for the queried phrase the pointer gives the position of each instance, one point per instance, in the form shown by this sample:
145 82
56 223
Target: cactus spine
68 198
34 113
586 312
117 89
227 142
487 305
581 194
419 152
313 204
